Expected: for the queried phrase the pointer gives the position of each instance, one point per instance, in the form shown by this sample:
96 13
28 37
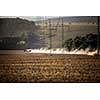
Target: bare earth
16 66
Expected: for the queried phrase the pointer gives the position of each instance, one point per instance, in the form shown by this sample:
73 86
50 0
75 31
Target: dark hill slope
15 26
16 33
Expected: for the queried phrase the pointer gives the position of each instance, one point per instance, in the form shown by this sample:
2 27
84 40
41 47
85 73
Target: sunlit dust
61 51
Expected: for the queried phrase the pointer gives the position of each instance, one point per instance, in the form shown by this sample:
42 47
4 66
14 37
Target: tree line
82 42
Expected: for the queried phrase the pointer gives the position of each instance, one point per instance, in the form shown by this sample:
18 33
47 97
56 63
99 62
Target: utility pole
98 36
44 30
50 36
62 26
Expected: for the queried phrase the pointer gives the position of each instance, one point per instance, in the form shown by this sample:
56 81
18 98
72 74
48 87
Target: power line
50 35
62 25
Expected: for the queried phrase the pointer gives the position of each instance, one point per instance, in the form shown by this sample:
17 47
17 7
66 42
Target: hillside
16 33
14 26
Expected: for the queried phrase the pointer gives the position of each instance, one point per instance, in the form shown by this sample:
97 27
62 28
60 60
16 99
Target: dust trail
61 51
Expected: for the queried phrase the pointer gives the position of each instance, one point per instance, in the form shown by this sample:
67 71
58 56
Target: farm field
43 68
